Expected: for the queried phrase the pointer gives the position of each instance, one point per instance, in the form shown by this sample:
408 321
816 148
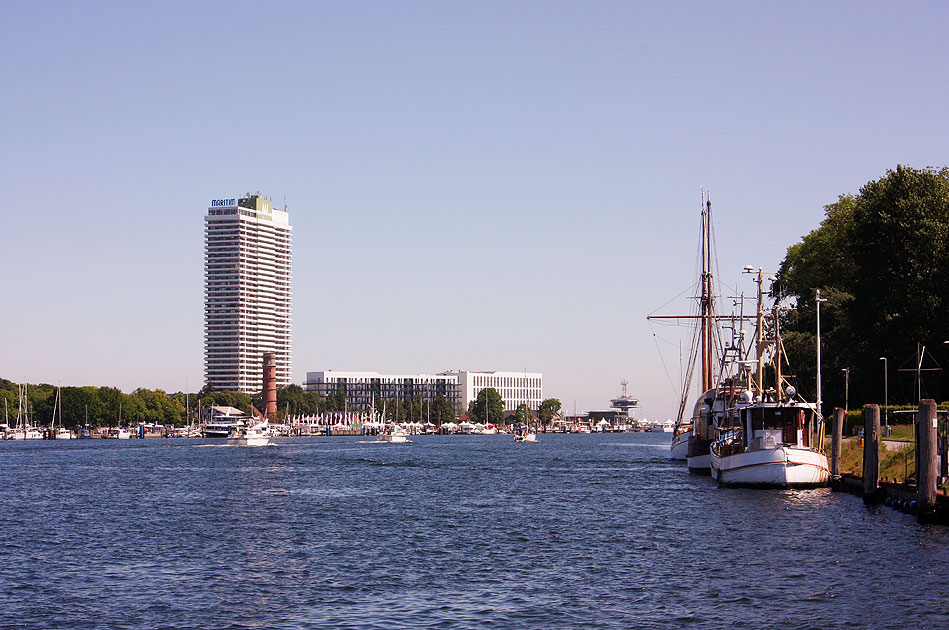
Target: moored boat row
744 431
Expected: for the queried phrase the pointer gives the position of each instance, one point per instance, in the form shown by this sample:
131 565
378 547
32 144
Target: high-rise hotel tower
246 292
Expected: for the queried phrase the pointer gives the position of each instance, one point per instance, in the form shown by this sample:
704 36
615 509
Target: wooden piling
926 464
871 454
836 443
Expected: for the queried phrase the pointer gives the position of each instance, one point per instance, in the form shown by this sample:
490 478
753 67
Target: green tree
491 400
524 414
881 259
549 408
442 411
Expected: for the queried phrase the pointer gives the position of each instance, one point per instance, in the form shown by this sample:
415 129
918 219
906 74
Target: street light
846 372
886 402
820 400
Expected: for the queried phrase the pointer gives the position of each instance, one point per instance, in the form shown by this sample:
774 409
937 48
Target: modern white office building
247 292
515 388
460 388
363 387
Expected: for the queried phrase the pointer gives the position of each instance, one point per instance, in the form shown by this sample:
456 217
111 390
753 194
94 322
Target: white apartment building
247 292
515 388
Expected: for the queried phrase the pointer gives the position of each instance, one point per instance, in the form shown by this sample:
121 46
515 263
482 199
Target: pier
917 493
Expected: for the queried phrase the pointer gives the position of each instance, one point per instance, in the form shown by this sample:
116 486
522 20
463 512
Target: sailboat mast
778 349
706 299
760 338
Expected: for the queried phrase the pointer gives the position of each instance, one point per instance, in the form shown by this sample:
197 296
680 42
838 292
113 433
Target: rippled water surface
591 531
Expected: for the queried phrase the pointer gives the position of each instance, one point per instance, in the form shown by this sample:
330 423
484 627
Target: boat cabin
770 425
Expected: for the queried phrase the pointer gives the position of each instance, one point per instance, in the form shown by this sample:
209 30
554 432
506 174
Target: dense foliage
487 407
99 406
549 408
881 260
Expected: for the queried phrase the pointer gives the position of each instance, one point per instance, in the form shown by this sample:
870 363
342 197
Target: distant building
515 388
460 388
363 387
247 292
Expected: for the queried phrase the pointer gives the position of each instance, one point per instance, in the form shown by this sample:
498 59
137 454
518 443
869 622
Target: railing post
835 445
871 454
926 467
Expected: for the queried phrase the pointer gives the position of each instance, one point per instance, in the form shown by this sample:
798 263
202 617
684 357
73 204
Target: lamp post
846 372
886 399
820 412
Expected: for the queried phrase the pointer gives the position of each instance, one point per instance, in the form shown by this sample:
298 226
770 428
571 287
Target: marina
596 531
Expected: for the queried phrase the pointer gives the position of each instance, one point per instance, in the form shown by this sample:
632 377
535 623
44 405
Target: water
592 531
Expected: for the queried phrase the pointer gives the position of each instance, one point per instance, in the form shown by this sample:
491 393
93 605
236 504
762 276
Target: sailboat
56 427
692 437
24 431
525 433
771 437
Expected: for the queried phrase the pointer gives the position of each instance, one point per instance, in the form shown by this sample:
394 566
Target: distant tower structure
247 292
270 385
625 403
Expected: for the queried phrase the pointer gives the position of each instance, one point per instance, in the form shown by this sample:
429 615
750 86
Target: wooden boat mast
706 300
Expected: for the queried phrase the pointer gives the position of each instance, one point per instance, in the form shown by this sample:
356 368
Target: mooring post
871 453
926 466
835 444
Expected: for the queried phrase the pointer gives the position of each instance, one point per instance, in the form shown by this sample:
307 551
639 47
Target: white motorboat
395 435
28 433
222 428
118 433
257 434
62 433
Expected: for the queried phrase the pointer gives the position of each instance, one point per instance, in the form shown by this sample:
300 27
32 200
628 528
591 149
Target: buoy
912 506
888 502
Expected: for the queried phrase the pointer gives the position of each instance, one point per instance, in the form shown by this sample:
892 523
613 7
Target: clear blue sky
472 185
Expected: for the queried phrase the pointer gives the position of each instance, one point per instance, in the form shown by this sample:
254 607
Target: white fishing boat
396 435
773 438
771 447
118 433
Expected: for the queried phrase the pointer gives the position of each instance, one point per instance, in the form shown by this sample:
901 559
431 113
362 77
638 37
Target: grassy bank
893 461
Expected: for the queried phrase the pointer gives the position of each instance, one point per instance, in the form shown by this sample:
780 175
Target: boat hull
679 450
250 440
394 439
699 456
778 467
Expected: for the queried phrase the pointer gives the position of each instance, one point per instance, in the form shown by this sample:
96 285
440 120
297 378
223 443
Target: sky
472 185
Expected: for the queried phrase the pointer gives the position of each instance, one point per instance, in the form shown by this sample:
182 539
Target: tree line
108 406
881 261
489 407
